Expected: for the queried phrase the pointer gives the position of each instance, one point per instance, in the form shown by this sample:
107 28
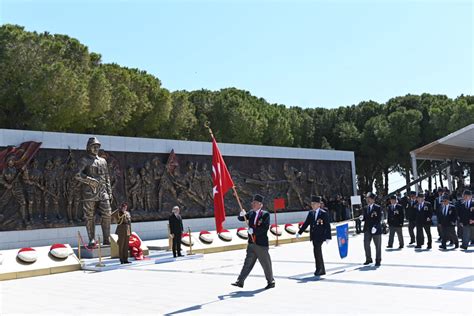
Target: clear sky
303 53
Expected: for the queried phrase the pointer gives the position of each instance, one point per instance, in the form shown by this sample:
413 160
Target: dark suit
320 231
396 217
176 228
437 209
448 218
123 231
424 212
257 248
372 219
466 215
410 213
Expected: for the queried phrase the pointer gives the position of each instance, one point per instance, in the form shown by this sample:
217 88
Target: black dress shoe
367 262
457 246
377 263
389 247
417 247
180 255
238 284
411 242
428 247
401 247
318 273
126 262
270 285
464 247
442 247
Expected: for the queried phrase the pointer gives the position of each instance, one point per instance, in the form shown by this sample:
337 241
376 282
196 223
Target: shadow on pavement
237 294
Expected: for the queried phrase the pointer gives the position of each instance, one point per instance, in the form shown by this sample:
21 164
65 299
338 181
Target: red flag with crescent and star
222 182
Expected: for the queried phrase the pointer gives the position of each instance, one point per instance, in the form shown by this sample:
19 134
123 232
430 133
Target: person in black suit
424 211
395 221
176 231
257 249
372 218
410 213
438 203
466 215
448 217
320 231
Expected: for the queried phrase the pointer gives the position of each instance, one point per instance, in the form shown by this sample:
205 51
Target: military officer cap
371 195
393 197
258 198
440 190
467 192
412 193
421 195
445 197
315 199
93 141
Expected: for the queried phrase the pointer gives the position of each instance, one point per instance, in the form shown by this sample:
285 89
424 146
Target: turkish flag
222 182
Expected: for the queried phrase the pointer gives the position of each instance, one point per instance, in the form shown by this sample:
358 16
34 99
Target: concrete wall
146 230
150 145
158 229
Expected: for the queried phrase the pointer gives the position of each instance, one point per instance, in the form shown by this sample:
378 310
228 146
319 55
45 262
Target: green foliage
53 83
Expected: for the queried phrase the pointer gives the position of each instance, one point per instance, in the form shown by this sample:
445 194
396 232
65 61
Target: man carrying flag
257 248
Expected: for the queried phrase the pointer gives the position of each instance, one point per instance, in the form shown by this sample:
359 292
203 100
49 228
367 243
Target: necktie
445 210
316 214
256 217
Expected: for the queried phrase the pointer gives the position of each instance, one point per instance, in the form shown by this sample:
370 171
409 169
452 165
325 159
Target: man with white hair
176 231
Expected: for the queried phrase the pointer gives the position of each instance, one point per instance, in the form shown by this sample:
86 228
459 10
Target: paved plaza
408 282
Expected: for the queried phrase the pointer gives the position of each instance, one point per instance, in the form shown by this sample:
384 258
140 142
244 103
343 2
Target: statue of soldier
33 188
59 169
151 177
50 191
133 188
158 171
93 173
72 191
292 176
147 184
13 188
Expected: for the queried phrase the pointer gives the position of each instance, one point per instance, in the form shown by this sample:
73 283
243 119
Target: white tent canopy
455 146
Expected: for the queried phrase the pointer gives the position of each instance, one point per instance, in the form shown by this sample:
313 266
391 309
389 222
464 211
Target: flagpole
206 124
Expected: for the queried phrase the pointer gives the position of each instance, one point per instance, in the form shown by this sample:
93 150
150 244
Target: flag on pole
23 154
343 239
222 182
278 204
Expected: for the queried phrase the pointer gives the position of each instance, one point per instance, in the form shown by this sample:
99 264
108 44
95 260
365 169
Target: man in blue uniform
372 217
424 212
410 213
448 217
320 231
395 222
258 222
466 214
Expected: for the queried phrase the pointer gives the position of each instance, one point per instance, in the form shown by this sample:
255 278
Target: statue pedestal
94 253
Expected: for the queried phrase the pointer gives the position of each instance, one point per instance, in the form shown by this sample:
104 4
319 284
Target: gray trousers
368 237
254 253
467 235
398 231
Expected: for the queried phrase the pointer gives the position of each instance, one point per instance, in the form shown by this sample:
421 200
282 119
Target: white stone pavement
408 282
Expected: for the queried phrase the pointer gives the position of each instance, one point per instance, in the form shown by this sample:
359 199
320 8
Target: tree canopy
53 83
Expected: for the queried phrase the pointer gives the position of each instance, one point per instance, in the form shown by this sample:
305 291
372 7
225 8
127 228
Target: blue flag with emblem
342 232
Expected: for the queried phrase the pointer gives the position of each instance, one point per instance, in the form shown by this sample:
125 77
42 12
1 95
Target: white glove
374 230
361 217
327 241
250 230
243 213
297 235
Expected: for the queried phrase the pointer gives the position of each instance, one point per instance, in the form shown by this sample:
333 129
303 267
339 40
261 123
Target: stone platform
409 282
